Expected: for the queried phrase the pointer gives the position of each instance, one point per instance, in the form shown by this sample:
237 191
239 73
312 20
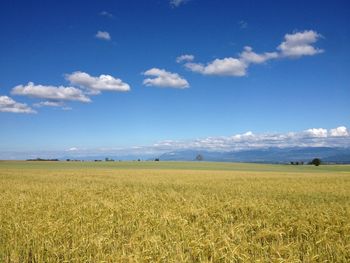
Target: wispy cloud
7 104
73 149
59 93
176 3
294 46
163 78
57 104
106 14
97 84
243 24
104 35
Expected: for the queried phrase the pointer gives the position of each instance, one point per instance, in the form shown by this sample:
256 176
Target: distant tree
156 160
316 162
43 160
199 157
68 160
139 160
292 163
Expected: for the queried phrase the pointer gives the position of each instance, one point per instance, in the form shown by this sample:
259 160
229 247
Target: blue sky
103 74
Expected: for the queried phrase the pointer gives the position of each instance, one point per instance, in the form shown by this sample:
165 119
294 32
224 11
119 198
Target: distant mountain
268 155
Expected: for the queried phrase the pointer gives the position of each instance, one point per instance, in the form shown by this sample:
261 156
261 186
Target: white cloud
295 45
249 56
236 142
97 84
315 137
176 3
56 95
49 104
220 67
317 132
300 44
163 78
106 14
104 35
231 66
50 92
248 134
7 104
66 108
185 57
73 149
339 132
243 24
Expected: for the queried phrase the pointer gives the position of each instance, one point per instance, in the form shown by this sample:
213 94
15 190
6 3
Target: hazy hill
268 155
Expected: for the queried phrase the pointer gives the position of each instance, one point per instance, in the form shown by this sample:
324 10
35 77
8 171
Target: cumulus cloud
236 142
315 137
55 96
176 3
231 66
299 44
104 35
97 84
163 78
185 57
339 132
244 141
294 45
317 132
249 56
220 67
50 92
7 104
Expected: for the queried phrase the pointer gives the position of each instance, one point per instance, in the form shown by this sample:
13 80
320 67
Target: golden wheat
59 212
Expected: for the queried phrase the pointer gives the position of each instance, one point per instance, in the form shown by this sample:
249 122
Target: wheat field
173 212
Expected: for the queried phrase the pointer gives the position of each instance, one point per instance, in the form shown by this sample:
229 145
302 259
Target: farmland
173 212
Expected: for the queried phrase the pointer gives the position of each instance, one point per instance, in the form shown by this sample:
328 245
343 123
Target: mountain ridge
265 155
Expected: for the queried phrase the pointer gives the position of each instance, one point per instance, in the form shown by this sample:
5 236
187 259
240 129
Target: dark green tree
316 162
199 157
